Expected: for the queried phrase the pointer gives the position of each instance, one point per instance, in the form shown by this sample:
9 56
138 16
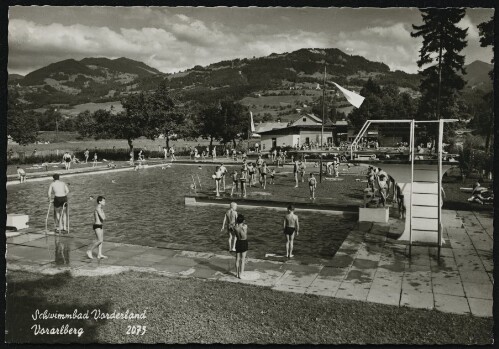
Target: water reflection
62 248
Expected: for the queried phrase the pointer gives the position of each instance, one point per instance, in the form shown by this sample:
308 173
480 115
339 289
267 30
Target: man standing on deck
60 190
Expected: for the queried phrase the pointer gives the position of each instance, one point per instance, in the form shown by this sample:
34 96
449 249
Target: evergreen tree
22 125
485 120
442 42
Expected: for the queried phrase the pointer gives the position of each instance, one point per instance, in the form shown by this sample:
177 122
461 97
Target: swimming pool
146 207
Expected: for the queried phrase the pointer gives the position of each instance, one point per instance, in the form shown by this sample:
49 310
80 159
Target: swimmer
172 153
230 218
295 172
66 158
99 218
312 185
251 174
224 171
272 175
94 164
241 230
243 179
291 228
87 154
384 187
263 175
21 175
234 182
302 171
60 190
113 181
217 177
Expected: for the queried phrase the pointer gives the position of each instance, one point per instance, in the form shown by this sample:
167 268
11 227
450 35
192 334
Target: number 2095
137 330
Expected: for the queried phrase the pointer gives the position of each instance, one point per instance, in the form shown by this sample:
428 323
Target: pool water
146 207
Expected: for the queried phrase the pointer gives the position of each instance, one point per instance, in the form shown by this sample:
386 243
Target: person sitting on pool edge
241 230
230 217
291 227
21 175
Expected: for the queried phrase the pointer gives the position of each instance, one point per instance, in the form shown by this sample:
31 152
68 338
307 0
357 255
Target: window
307 140
304 119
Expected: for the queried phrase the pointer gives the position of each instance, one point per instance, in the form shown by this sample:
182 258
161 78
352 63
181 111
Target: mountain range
73 82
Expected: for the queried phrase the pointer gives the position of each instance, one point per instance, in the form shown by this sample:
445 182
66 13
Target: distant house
307 119
296 135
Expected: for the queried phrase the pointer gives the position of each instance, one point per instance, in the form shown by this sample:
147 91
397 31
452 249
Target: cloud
392 45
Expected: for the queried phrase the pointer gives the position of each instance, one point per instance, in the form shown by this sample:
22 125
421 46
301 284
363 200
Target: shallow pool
146 207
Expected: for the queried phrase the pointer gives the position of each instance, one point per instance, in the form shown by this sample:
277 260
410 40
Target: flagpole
323 107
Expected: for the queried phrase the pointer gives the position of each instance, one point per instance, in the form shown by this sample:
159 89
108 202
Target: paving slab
322 287
360 276
475 290
290 288
342 260
416 299
481 307
451 304
452 287
480 277
332 273
417 281
384 295
268 278
353 291
299 279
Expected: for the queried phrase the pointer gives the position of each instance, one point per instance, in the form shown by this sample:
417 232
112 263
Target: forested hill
101 79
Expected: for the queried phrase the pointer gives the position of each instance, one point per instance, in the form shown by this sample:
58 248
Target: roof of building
311 116
296 128
268 126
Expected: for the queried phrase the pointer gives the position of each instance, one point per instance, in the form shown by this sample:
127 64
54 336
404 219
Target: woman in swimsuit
241 230
99 218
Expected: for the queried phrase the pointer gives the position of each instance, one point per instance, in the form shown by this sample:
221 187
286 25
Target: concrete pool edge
367 267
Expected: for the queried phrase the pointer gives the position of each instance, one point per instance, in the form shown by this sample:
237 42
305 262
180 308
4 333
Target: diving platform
208 199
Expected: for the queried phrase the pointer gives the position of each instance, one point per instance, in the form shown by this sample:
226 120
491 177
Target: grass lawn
204 311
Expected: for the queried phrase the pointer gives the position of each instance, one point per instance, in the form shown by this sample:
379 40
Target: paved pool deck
370 266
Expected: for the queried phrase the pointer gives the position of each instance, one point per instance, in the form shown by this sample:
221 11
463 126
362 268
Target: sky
172 39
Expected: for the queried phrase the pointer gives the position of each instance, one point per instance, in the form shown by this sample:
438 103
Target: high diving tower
421 185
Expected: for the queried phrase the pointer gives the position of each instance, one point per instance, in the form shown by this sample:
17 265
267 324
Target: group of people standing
237 230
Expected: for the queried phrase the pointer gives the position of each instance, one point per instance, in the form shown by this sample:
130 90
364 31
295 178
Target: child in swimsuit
295 172
230 218
302 171
218 178
312 185
291 227
272 175
241 230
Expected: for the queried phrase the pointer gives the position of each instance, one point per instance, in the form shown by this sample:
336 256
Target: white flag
354 98
252 123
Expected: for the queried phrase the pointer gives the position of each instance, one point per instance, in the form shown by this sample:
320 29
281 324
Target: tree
161 109
22 126
210 122
236 121
442 42
485 120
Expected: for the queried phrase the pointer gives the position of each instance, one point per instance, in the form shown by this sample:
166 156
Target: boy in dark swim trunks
230 218
60 190
291 227
241 230
99 218
263 175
